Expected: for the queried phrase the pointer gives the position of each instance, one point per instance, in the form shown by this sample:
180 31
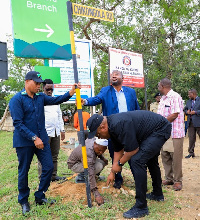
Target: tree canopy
166 32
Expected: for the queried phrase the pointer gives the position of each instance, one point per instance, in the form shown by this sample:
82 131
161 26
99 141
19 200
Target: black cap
157 94
93 123
35 76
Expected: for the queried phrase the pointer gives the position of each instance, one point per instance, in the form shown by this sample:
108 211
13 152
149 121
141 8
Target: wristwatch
63 131
34 137
120 164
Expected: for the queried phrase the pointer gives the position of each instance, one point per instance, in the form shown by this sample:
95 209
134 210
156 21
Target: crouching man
96 162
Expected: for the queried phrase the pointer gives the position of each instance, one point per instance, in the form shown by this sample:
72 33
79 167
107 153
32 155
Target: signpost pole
79 106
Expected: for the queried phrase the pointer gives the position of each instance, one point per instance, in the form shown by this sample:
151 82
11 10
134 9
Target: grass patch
112 209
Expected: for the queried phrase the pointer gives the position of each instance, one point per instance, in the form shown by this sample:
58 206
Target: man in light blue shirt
115 99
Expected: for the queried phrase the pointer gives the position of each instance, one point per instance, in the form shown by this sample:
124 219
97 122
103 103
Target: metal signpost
41 29
97 14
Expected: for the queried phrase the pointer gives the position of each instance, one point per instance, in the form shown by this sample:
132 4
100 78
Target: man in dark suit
115 99
192 110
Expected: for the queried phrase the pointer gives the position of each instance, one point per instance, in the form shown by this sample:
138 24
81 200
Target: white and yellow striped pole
79 106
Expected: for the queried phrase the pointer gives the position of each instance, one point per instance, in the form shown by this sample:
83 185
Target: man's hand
111 178
82 101
98 198
188 112
62 136
116 168
192 112
105 161
38 143
73 90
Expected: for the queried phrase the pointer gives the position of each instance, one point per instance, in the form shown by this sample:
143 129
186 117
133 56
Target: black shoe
190 155
25 208
80 178
44 201
118 184
136 212
151 196
58 178
100 178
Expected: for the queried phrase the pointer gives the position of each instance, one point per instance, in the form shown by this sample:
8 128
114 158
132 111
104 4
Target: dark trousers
25 156
55 148
192 137
147 157
118 176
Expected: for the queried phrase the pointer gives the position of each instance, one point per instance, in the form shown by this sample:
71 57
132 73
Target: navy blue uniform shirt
28 116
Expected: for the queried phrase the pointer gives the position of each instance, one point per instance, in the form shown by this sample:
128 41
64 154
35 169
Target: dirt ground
187 200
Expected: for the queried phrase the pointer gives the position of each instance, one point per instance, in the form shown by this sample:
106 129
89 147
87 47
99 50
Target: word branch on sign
50 8
41 29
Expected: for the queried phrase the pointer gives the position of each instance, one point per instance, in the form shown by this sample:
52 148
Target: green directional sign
47 72
41 29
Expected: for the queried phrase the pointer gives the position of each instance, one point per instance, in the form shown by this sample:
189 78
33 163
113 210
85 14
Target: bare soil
187 201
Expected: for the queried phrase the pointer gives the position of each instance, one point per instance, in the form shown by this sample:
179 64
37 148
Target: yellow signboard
86 11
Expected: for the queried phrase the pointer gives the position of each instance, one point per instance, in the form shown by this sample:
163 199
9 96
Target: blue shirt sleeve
17 113
92 101
49 100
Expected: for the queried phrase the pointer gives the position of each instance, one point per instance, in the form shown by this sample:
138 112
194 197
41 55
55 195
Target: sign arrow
50 30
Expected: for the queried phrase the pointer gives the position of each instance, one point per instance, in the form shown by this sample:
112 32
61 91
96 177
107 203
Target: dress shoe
117 184
80 178
189 155
136 212
167 182
177 186
100 178
25 208
58 178
44 201
151 196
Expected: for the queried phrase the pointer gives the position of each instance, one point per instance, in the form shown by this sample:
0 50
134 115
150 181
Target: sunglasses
49 90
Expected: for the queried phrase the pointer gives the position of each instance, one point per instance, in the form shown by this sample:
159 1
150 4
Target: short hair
193 91
166 83
47 81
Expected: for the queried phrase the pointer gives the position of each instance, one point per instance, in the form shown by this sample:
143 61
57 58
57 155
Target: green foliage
68 210
18 67
165 32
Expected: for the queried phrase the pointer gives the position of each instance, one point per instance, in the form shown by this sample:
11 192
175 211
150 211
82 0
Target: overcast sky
5 19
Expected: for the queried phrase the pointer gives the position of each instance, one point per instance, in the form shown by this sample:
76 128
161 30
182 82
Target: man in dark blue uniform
136 136
30 136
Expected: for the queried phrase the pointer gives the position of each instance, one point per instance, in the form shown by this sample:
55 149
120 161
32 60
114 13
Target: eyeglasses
49 90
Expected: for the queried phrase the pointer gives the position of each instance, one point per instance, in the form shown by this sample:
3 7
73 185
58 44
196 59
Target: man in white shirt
55 128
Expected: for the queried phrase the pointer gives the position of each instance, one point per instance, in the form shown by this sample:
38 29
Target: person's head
116 78
98 126
48 87
100 146
32 82
192 94
164 86
157 97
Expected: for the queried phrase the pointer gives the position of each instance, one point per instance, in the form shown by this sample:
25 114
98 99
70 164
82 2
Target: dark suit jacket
195 118
109 102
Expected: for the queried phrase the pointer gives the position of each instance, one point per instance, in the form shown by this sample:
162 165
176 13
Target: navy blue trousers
147 157
25 156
